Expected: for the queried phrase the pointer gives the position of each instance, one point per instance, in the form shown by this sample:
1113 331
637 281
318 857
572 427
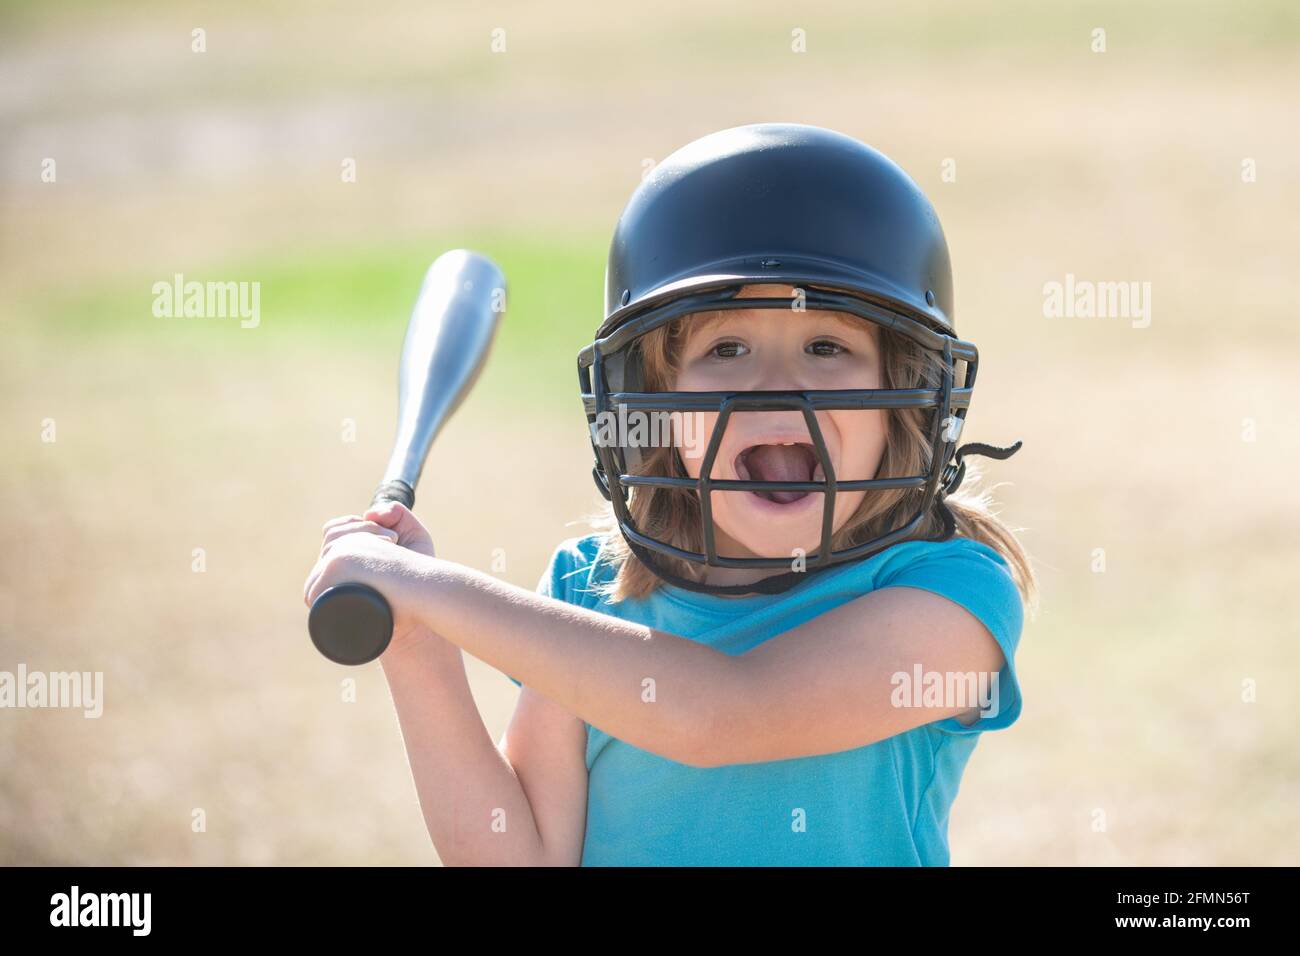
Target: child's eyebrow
845 319
699 322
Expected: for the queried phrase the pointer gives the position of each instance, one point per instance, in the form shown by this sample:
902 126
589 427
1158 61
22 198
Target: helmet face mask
613 391
850 233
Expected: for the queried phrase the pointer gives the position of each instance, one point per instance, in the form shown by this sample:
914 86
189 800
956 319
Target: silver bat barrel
451 330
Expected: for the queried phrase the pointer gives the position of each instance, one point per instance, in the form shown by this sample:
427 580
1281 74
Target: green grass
359 299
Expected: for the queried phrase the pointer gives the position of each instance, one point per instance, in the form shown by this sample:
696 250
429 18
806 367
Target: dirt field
1166 445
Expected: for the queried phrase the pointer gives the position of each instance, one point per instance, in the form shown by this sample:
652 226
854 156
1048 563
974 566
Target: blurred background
165 479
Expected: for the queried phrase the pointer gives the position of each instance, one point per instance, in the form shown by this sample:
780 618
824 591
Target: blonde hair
672 514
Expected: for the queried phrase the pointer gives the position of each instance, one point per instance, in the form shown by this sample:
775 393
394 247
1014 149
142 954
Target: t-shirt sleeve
979 579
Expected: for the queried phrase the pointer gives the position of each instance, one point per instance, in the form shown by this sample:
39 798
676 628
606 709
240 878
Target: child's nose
778 376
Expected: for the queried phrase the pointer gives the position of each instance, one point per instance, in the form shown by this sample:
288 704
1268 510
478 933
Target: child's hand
393 516
380 549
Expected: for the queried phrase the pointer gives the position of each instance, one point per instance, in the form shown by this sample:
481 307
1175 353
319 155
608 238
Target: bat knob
350 624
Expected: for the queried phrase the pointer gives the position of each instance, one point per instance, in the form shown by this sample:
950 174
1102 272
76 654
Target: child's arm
593 665
824 686
821 687
522 804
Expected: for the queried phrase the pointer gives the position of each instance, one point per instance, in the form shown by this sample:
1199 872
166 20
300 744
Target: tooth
819 473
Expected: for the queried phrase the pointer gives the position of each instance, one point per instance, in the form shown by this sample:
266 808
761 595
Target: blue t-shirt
885 804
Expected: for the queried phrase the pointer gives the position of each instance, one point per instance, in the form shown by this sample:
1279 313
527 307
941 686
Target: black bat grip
352 623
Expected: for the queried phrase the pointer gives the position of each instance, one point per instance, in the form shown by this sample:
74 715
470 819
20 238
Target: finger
339 520
312 577
356 527
350 544
313 586
395 515
391 514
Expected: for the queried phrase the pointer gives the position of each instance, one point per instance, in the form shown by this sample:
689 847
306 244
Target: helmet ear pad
626 369
625 372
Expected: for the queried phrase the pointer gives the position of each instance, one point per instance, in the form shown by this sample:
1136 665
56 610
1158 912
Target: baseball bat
447 340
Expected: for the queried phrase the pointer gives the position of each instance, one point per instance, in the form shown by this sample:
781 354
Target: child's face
782 349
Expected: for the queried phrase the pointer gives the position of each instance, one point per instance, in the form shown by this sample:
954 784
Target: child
786 644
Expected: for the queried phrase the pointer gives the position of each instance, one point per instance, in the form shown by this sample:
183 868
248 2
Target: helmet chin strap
780 583
957 469
957 473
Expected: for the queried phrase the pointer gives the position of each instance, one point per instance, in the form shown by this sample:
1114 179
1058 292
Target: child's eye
826 347
727 350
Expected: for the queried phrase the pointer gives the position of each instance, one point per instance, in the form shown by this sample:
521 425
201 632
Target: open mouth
788 461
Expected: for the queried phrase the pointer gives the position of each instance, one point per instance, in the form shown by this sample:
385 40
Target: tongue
780 463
